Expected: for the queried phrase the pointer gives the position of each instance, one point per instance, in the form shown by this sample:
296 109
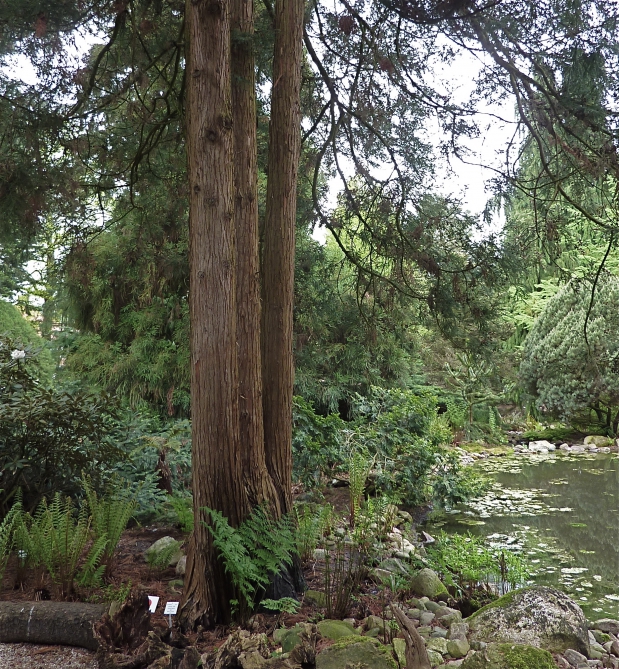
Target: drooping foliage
570 361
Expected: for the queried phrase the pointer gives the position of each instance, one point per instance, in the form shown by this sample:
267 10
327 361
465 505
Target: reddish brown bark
255 475
279 244
216 452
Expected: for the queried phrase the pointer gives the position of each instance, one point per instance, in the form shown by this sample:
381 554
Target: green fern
55 538
253 552
109 515
358 468
159 560
6 536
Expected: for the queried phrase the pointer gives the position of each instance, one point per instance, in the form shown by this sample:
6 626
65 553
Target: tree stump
416 654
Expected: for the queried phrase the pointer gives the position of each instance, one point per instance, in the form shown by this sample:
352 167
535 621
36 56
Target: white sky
465 181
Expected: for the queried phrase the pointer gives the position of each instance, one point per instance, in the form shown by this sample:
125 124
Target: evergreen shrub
48 435
568 376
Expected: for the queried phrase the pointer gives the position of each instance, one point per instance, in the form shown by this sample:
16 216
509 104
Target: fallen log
50 623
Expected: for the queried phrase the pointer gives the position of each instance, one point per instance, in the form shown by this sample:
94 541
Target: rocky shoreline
530 628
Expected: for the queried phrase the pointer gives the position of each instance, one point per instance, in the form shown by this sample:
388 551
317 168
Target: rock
414 614
450 618
395 566
336 629
399 648
600 637
458 648
374 622
316 597
574 657
358 652
509 656
536 616
578 448
607 625
428 584
439 632
181 566
614 648
541 444
458 630
289 639
433 606
425 631
435 658
597 440
565 447
437 644
418 604
161 545
426 617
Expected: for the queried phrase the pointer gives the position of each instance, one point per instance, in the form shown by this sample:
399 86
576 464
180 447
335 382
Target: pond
561 512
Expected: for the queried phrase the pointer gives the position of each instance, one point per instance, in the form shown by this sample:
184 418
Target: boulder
316 597
536 616
162 545
458 648
181 566
607 625
437 644
541 445
436 659
509 656
597 440
336 629
358 652
428 584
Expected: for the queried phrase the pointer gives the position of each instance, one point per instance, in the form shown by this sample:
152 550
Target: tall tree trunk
216 452
279 242
256 478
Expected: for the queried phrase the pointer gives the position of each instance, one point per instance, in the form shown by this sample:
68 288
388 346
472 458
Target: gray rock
509 656
161 545
425 631
458 648
395 566
418 604
536 616
414 614
574 657
428 584
607 625
578 448
439 632
361 652
433 606
181 566
426 617
450 618
374 622
437 644
458 630
541 445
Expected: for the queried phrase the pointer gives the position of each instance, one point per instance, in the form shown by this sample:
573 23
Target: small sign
170 609
152 603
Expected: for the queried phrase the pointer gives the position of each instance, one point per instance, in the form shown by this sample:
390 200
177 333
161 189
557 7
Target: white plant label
152 603
170 609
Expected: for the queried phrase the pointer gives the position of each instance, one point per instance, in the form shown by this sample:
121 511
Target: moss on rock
509 656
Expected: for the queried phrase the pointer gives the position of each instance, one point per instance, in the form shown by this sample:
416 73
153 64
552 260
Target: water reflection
562 511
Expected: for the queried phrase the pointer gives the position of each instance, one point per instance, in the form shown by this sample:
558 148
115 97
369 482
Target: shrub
48 436
566 374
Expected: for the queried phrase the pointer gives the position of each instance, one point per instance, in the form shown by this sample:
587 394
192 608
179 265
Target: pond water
561 512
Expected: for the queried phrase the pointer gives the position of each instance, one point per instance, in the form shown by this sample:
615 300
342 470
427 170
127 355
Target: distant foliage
399 432
568 375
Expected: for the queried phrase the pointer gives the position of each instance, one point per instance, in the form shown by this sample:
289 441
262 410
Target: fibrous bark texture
216 451
279 244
